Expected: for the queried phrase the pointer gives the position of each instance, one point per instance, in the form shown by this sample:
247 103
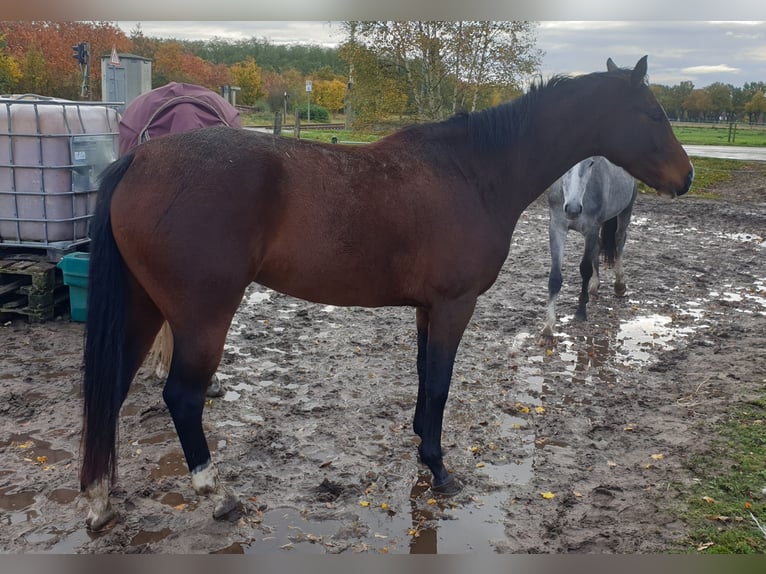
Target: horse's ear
639 72
610 65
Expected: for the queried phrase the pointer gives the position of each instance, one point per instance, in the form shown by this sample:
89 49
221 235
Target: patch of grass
719 134
731 476
708 172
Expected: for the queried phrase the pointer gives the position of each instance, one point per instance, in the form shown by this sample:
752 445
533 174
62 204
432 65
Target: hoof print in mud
328 491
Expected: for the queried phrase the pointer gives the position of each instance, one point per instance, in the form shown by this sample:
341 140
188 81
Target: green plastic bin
75 269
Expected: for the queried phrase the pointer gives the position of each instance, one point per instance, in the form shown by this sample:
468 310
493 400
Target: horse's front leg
557 237
589 274
421 322
446 323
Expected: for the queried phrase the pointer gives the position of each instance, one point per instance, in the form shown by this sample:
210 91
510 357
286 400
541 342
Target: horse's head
640 138
573 184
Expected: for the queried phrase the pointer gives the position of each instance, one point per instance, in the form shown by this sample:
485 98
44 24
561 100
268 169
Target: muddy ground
314 431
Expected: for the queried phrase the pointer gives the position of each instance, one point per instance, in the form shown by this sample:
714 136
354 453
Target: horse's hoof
620 289
97 522
225 505
214 388
449 487
581 316
546 340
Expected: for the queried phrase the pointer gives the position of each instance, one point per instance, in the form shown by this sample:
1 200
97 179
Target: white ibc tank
51 154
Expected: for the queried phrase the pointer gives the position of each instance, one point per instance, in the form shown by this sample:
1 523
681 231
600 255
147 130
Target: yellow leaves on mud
41 460
364 503
548 495
525 409
658 456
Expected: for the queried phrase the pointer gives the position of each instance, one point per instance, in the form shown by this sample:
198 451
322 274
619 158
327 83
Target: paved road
727 152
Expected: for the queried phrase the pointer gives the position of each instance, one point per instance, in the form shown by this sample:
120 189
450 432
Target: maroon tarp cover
174 107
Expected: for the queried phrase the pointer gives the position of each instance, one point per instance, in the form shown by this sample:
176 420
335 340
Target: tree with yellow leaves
10 71
247 76
329 94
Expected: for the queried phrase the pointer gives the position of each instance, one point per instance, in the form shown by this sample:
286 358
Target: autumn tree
376 93
757 106
697 104
485 55
144 46
43 50
443 65
247 75
174 64
329 94
10 71
720 99
276 85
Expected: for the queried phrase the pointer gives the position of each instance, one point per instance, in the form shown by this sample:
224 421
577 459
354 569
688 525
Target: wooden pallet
32 288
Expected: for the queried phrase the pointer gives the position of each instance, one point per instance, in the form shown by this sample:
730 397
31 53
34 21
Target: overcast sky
702 52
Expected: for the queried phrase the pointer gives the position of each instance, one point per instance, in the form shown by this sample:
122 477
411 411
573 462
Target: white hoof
100 512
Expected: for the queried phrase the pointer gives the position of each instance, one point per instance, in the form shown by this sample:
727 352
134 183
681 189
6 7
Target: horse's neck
564 131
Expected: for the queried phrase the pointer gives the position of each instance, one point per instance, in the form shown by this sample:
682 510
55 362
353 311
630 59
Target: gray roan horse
421 218
593 196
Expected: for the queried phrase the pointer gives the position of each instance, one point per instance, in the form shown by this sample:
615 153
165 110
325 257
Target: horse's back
345 225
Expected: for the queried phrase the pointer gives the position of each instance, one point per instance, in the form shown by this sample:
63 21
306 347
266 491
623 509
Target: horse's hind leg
621 235
143 320
196 354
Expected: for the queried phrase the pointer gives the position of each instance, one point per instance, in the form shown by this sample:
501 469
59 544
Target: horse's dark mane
501 125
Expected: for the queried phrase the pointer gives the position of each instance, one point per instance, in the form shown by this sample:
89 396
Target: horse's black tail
609 241
104 337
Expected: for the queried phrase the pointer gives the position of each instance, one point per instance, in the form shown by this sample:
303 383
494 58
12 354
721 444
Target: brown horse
421 218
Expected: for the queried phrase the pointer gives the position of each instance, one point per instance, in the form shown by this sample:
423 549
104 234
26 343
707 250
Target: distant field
720 134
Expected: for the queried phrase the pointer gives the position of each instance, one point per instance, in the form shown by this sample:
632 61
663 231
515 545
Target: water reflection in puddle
639 339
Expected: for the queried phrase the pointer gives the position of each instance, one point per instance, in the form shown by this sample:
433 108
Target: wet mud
559 449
